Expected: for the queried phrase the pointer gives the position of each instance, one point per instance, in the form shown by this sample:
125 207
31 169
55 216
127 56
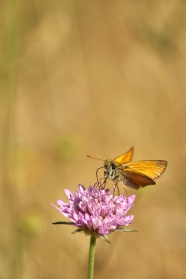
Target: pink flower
96 211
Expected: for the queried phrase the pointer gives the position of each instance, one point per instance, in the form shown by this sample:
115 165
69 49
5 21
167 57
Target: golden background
91 77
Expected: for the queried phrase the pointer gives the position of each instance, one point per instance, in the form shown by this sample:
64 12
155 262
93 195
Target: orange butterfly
133 174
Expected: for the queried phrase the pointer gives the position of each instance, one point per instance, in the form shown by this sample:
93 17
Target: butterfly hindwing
136 179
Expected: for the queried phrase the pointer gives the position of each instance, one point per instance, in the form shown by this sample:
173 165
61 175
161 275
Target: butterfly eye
113 166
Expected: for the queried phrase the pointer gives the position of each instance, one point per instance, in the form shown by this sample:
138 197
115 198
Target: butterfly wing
125 158
153 169
136 180
142 173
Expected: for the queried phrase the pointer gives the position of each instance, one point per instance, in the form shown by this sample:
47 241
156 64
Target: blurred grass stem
9 74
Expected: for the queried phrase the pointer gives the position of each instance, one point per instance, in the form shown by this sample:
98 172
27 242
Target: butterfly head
111 170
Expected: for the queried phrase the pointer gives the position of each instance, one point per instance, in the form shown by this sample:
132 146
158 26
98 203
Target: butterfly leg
123 186
122 181
104 181
116 187
99 184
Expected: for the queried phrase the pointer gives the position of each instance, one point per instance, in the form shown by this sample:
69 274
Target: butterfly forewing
125 158
152 169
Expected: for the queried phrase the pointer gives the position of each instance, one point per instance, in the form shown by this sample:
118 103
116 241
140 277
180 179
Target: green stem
91 257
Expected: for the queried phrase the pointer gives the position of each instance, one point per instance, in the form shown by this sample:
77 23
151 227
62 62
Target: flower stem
91 256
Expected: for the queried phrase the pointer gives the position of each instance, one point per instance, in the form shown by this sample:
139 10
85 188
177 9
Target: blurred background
91 77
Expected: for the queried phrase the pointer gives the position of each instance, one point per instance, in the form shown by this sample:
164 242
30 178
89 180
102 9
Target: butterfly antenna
95 158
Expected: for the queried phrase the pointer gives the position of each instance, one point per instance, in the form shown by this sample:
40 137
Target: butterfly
134 174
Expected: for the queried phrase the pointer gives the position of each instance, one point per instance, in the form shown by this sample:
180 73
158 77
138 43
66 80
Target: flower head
96 211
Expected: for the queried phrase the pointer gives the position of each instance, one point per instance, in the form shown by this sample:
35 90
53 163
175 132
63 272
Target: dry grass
91 77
